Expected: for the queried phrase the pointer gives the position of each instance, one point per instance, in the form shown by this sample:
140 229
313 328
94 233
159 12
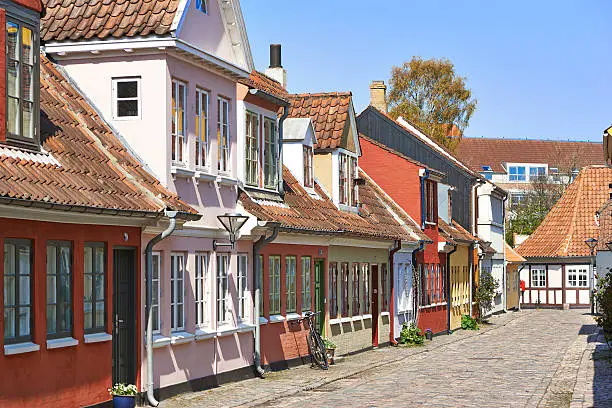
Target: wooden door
124 315
374 301
320 294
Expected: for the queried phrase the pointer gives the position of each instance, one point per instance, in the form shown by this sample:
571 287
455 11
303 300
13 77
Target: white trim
277 318
292 316
432 305
245 327
345 319
263 320
19 348
201 334
179 17
205 176
63 342
367 316
178 171
97 338
357 318
226 331
334 321
160 340
181 337
114 97
384 314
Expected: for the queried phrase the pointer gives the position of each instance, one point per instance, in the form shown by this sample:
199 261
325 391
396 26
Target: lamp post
232 222
592 243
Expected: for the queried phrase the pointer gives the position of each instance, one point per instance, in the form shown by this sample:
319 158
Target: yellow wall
323 170
512 286
460 285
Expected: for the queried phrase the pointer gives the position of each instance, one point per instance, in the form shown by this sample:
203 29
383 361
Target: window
356 284
290 265
274 282
517 199
179 100
486 168
384 287
94 294
252 149
260 264
18 260
536 172
126 95
488 176
223 138
333 290
578 277
308 169
177 291
156 292
432 284
344 288
59 289
517 173
346 180
242 286
21 83
201 289
352 186
202 6
222 288
365 268
538 278
306 283
430 202
270 154
342 179
201 158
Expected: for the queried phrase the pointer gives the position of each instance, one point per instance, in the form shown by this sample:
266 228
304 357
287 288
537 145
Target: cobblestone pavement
522 359
594 382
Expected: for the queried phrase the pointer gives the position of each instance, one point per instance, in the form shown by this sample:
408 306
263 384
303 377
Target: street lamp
232 222
592 243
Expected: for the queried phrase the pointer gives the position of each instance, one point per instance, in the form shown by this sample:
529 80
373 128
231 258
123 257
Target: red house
72 204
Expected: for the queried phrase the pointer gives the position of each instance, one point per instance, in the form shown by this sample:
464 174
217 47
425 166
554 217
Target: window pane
27 56
127 89
88 315
99 285
51 322
9 290
12 88
12 40
66 322
24 290
9 322
12 117
51 298
100 314
127 108
99 266
28 91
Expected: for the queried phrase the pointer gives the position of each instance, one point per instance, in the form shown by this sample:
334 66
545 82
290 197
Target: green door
319 293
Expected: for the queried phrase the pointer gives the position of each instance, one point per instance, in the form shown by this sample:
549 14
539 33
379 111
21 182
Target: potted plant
330 350
124 395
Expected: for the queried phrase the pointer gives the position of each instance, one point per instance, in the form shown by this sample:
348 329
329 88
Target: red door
374 278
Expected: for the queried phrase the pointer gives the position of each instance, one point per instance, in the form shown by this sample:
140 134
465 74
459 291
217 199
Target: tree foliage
604 304
429 94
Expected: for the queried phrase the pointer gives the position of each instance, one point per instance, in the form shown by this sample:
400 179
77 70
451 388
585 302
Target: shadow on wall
602 361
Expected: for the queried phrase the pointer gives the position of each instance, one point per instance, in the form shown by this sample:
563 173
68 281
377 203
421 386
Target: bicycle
315 342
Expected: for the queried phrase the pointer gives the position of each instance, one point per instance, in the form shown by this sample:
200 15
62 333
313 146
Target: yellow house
513 263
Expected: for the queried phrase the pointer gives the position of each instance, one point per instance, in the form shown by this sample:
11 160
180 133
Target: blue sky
539 69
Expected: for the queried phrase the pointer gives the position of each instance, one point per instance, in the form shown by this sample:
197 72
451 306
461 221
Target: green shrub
469 323
604 302
329 344
411 335
485 293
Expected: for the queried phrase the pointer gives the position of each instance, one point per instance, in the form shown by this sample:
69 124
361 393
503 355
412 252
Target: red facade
70 376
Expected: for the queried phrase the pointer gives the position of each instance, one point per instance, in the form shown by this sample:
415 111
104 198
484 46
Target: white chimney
276 70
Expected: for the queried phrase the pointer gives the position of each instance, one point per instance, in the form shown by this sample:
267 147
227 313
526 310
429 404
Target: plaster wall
323 171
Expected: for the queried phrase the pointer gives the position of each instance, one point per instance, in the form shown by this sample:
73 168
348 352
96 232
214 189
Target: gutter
392 252
424 177
448 289
149 290
257 246
417 292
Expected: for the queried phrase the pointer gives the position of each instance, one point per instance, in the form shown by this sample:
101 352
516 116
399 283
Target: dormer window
308 170
270 165
346 180
22 83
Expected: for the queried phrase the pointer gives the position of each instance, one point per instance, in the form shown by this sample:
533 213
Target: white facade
404 290
556 284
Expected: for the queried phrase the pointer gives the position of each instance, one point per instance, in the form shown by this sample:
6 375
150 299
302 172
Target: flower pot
429 334
124 401
330 355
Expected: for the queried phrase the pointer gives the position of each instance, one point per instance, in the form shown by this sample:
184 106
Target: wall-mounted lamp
232 222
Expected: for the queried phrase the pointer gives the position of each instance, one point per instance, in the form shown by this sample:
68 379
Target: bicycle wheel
317 350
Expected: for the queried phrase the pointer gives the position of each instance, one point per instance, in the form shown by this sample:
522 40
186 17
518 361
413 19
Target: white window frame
116 98
516 174
177 139
578 272
202 293
177 285
223 133
252 149
274 276
540 274
202 115
242 285
156 279
291 277
270 160
222 281
306 282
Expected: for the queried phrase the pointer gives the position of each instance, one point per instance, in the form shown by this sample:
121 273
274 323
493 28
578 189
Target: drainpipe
149 272
424 177
448 289
397 247
259 244
281 189
505 270
416 290
471 264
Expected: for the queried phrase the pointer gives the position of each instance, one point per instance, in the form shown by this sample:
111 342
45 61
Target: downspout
424 177
505 271
449 303
259 244
149 272
416 290
281 189
392 252
471 266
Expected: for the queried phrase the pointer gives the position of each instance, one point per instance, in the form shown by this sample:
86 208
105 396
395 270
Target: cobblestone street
521 359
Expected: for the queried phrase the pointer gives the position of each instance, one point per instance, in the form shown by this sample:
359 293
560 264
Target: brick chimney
378 95
276 70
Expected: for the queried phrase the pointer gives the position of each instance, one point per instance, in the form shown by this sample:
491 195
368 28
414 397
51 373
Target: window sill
181 337
263 320
432 305
346 319
367 316
356 318
433 224
226 331
245 327
177 170
292 316
334 321
97 337
20 348
277 318
203 334
63 342
160 341
226 181
205 176
384 314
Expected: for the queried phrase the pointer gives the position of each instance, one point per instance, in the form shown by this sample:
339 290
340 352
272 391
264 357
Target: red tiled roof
329 113
302 212
572 220
87 19
455 232
512 256
257 80
86 165
478 152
